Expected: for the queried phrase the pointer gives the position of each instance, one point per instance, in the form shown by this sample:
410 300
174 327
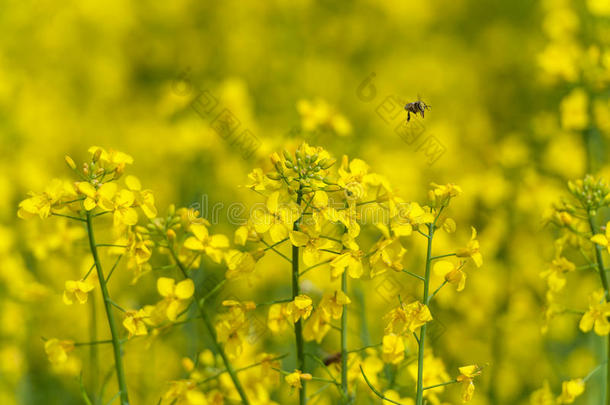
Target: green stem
422 334
344 340
215 376
116 344
210 328
375 391
440 385
604 279
93 351
298 326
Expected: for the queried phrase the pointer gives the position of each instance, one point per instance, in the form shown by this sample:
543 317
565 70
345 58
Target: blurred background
518 106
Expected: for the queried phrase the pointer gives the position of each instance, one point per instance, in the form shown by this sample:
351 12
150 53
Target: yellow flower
301 307
184 392
466 377
453 274
274 218
175 295
294 379
143 198
472 249
112 159
134 322
311 242
212 245
138 251
354 178
596 317
350 260
57 350
232 326
244 234
124 213
570 390
442 193
407 318
98 197
317 326
279 317
411 217
388 255
41 203
332 303
77 290
603 239
392 349
241 264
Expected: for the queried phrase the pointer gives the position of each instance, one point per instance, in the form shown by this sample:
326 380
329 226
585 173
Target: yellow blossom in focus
453 274
301 307
275 218
407 318
596 317
98 197
41 203
472 250
388 255
350 260
212 245
175 295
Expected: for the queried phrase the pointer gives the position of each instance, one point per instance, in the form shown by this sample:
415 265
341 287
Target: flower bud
274 176
70 162
328 163
96 155
119 171
171 234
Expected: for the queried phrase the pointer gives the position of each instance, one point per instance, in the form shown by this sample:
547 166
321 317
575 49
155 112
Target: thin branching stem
116 344
210 328
298 326
604 280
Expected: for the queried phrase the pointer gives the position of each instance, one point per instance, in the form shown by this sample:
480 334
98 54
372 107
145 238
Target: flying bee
333 358
416 107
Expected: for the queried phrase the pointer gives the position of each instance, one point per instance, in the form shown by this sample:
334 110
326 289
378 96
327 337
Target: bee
416 107
333 358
